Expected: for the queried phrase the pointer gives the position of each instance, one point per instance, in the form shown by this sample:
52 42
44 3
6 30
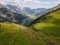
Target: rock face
10 15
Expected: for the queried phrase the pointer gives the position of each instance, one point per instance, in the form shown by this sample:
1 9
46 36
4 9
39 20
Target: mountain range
25 10
25 16
13 13
33 11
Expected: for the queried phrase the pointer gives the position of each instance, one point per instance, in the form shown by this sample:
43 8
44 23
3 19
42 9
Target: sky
33 3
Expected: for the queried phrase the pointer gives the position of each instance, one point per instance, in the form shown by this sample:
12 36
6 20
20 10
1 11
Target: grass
14 34
50 25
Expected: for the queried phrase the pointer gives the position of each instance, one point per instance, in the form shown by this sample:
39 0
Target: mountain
16 8
21 18
33 11
11 15
44 13
13 7
28 10
39 9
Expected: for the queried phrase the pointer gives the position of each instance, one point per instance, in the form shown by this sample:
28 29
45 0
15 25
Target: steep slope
49 24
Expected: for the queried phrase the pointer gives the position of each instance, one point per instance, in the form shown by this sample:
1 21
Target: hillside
49 24
14 34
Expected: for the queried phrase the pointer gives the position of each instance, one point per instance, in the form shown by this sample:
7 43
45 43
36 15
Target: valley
22 29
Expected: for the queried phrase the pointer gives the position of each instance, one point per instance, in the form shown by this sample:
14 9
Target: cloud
16 2
32 3
40 2
46 2
8 1
28 1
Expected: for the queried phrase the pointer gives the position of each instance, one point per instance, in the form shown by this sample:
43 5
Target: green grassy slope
14 34
49 25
